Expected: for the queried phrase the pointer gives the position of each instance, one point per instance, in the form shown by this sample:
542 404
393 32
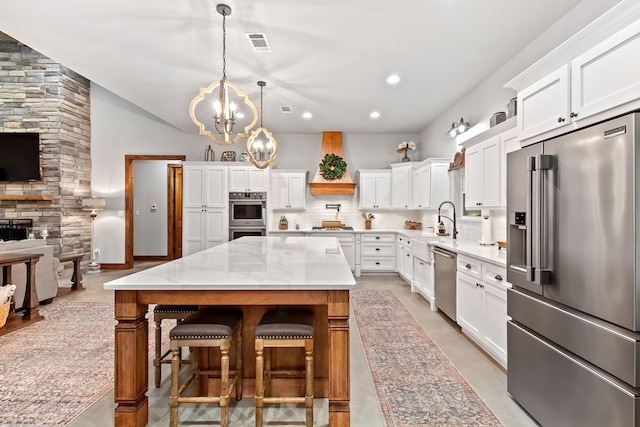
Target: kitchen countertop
251 263
465 247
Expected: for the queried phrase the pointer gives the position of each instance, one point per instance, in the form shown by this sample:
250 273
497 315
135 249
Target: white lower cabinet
203 228
482 305
377 252
404 258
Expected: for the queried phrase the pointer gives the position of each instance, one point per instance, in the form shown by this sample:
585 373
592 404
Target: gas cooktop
332 228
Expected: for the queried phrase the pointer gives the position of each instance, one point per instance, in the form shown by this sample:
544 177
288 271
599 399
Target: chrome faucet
455 230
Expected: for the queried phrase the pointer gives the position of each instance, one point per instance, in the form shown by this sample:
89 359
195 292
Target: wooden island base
331 349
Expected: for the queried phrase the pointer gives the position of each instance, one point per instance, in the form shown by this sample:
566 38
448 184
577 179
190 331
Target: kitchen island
253 274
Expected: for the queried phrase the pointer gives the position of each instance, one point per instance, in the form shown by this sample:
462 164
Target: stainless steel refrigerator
573 259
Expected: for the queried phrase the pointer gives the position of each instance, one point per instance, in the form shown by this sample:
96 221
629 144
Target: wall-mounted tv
19 156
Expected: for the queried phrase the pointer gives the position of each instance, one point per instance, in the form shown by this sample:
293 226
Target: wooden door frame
128 199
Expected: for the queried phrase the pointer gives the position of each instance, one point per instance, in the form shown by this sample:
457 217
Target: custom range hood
320 186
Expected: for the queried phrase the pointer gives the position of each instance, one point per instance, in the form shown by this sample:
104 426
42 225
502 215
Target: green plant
332 167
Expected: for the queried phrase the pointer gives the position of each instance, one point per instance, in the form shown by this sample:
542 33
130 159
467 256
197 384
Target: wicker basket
4 312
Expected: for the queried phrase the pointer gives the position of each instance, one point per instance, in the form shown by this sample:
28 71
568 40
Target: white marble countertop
251 263
466 247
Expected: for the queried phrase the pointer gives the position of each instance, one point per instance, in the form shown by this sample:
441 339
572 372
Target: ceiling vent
286 109
259 42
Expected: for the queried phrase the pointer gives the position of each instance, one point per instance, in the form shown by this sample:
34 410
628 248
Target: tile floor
486 378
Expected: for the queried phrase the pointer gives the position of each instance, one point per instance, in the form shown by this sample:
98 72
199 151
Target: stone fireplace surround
39 95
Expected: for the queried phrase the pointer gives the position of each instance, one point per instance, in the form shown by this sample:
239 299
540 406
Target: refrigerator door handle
542 274
529 269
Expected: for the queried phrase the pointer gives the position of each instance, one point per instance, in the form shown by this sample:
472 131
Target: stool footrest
284 399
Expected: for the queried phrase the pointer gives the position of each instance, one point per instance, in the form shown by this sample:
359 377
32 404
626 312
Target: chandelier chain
224 44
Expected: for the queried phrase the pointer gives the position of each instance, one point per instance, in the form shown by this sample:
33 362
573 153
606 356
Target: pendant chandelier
218 117
261 145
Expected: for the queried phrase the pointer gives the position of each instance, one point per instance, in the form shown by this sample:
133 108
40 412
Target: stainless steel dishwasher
445 281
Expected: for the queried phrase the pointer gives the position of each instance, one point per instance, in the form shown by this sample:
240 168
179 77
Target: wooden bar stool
212 328
283 328
163 312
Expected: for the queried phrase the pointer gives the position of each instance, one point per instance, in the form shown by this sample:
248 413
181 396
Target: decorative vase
406 158
367 224
209 155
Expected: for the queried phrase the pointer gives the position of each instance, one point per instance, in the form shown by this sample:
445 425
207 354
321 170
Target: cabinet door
297 191
238 180
193 189
383 191
607 75
215 230
192 230
367 191
494 330
215 188
545 105
473 164
257 179
279 195
401 184
438 182
491 172
416 196
469 305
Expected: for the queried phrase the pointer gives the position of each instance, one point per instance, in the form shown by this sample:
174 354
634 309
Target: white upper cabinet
485 166
545 105
375 189
288 189
430 184
598 78
204 186
401 185
248 178
607 75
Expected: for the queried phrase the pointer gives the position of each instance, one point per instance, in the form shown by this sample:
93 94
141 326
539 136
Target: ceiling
329 57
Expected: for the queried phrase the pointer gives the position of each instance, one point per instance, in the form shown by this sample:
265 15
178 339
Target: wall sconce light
458 128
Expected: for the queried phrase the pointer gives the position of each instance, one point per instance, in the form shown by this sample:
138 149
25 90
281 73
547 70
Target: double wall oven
247 214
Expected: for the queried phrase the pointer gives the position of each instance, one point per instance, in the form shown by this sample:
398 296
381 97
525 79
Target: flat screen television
19 156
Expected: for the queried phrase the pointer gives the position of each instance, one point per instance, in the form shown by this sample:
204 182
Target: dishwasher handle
442 253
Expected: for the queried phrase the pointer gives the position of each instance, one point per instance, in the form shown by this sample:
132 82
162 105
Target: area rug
415 383
53 370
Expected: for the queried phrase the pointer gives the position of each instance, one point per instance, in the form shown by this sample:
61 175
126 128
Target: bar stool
283 328
164 312
211 328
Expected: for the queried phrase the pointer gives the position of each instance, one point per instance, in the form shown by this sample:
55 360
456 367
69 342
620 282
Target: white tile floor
486 378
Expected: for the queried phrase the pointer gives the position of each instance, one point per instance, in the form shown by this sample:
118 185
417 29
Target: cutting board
331 224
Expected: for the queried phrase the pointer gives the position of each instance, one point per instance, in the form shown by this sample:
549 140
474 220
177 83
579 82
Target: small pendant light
261 145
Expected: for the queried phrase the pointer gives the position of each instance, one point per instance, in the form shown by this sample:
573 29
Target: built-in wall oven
247 214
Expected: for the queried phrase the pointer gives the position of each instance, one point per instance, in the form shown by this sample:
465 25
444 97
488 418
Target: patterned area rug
415 383
54 369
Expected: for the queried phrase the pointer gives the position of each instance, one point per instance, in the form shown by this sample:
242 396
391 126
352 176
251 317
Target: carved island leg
131 361
339 409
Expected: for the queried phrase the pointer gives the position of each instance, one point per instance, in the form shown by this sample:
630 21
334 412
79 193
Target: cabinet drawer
382 249
366 237
494 275
377 264
470 266
404 240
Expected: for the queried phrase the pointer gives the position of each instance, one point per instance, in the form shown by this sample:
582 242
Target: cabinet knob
468 266
377 262
408 254
377 237
560 119
573 115
378 249
498 277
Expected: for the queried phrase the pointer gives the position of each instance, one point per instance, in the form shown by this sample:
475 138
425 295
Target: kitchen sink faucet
455 230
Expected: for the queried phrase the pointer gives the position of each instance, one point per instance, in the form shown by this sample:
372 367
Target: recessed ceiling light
240 115
393 79
307 115
374 115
